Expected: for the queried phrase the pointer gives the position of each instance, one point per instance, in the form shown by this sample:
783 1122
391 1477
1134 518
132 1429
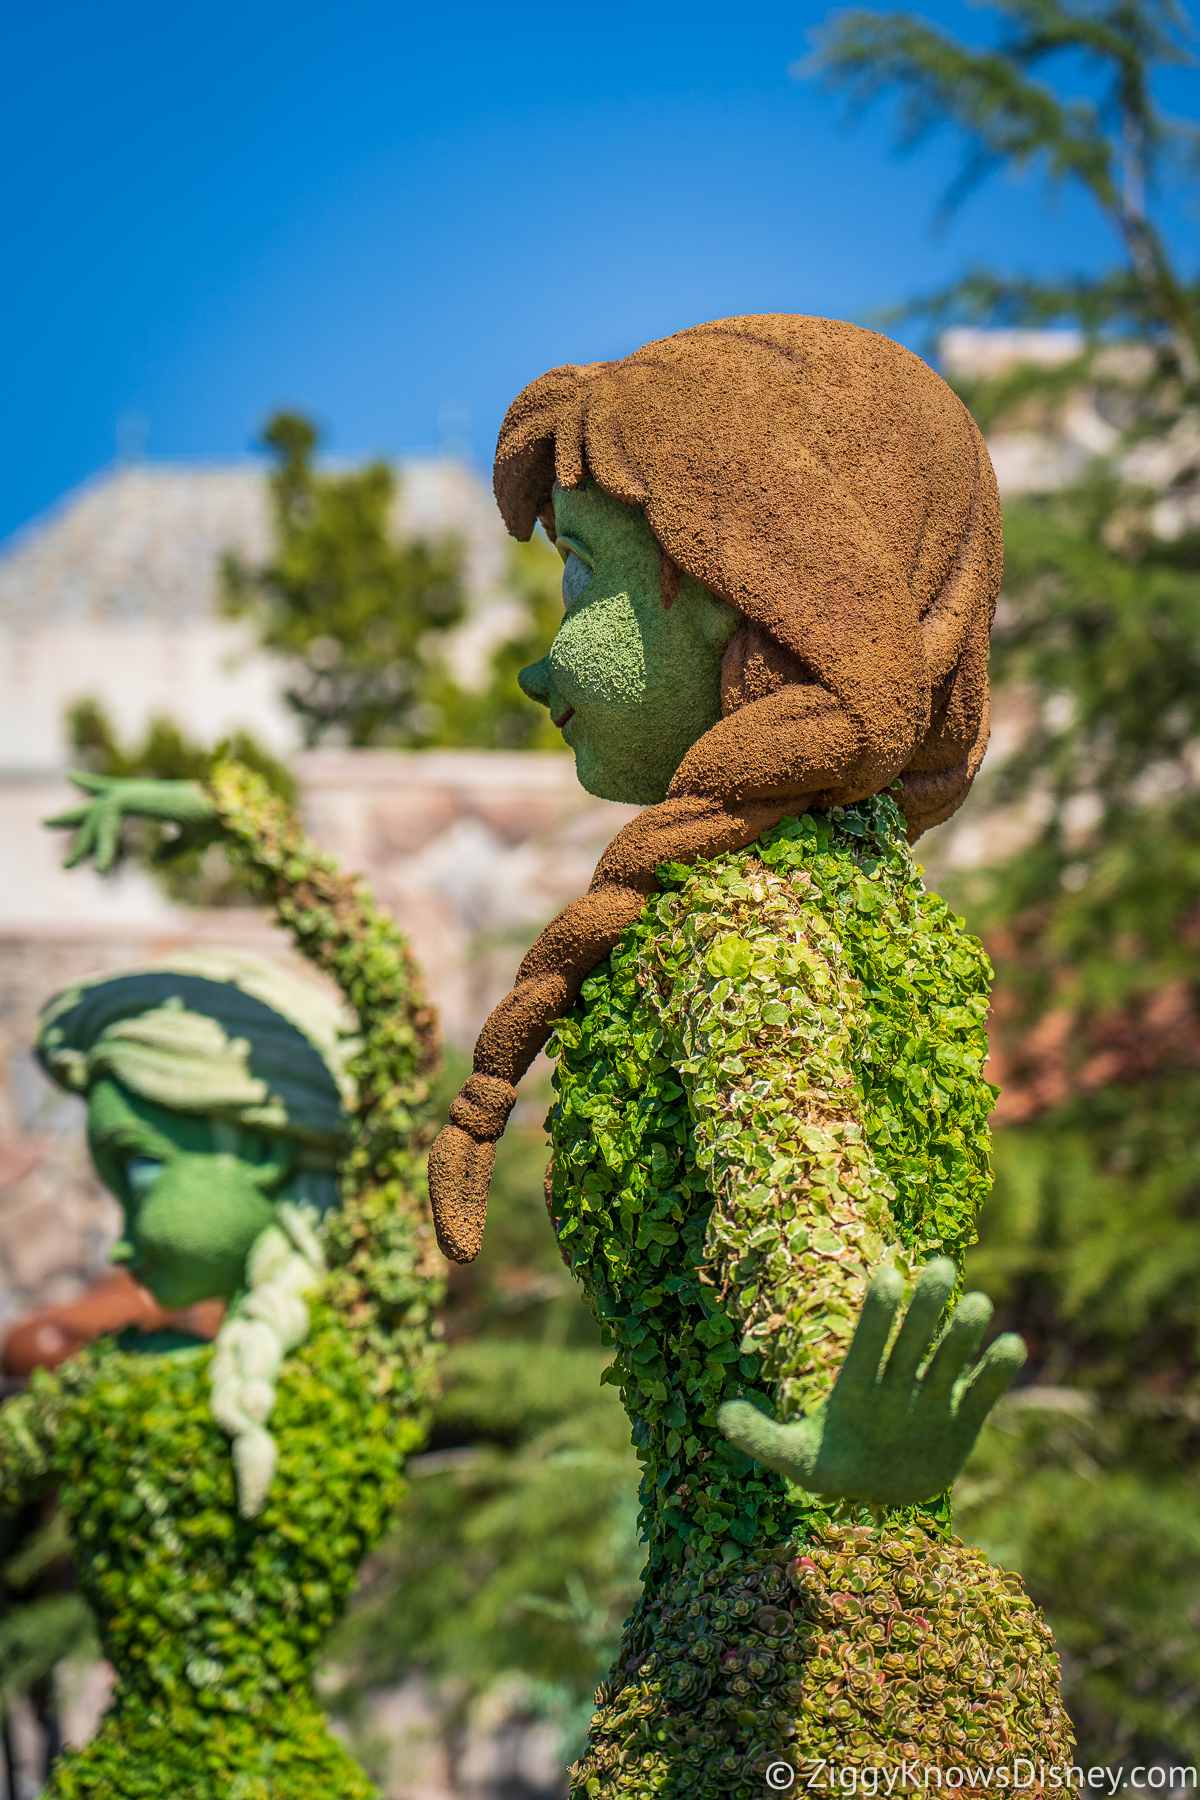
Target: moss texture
772 1088
214 1622
640 680
386 1276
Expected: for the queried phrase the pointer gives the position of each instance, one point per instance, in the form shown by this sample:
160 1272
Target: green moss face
632 680
196 1193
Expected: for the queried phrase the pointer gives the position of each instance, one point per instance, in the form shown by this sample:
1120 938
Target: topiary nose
534 682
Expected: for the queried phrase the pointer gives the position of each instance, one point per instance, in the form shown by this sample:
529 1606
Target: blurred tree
365 615
360 614
369 616
1089 1479
1092 1239
1118 149
44 1621
500 717
515 1553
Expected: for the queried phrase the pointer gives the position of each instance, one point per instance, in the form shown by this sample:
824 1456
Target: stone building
115 595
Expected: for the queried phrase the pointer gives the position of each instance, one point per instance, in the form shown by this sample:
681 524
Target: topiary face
633 678
195 1192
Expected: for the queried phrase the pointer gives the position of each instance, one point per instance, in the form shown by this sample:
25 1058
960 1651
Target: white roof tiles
136 543
145 542
115 595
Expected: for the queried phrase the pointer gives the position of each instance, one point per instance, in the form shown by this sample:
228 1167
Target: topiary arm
767 1020
112 800
761 1014
385 1272
29 1426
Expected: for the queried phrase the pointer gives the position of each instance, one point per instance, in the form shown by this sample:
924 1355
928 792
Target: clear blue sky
393 215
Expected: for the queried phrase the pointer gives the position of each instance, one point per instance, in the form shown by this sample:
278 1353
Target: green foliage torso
771 1087
696 1189
213 1622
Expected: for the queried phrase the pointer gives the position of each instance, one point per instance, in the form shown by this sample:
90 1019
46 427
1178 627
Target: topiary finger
997 1370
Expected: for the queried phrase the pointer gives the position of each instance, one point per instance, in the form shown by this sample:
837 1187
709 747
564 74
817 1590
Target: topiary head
782 541
633 677
783 554
215 1086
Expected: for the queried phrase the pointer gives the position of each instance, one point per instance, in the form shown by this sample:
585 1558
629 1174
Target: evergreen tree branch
1114 150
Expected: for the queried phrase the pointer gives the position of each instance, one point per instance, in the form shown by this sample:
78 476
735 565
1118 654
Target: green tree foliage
1089 1480
1116 147
44 1620
358 613
500 717
1091 1242
190 861
515 1552
334 560
364 615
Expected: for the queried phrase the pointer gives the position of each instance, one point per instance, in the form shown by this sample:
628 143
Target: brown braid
831 488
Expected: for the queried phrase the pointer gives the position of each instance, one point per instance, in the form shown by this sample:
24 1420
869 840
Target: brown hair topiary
832 489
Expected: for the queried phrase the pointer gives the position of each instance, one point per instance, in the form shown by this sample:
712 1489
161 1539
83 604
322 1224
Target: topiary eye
576 576
141 1172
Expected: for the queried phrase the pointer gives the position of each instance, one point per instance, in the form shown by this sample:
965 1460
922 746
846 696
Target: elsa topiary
264 1142
781 546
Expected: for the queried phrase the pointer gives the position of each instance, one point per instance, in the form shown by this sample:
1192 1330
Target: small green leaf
732 957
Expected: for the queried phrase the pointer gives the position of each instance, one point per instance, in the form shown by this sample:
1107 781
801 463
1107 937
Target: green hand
115 799
896 1435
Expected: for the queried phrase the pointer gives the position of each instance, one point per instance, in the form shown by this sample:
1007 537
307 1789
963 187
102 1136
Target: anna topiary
781 545
221 1499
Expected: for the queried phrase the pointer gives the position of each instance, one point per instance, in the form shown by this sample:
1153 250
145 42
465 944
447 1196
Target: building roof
145 541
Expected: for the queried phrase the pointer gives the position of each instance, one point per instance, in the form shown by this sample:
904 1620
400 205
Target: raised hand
114 799
895 1434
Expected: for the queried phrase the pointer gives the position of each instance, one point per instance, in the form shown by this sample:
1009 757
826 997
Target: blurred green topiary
213 1619
212 1623
190 861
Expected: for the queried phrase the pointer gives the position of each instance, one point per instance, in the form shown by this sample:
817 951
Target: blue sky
394 216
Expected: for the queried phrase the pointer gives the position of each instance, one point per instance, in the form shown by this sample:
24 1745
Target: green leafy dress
771 1089
212 1621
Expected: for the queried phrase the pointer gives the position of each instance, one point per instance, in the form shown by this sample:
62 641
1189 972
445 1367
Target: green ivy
386 1274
